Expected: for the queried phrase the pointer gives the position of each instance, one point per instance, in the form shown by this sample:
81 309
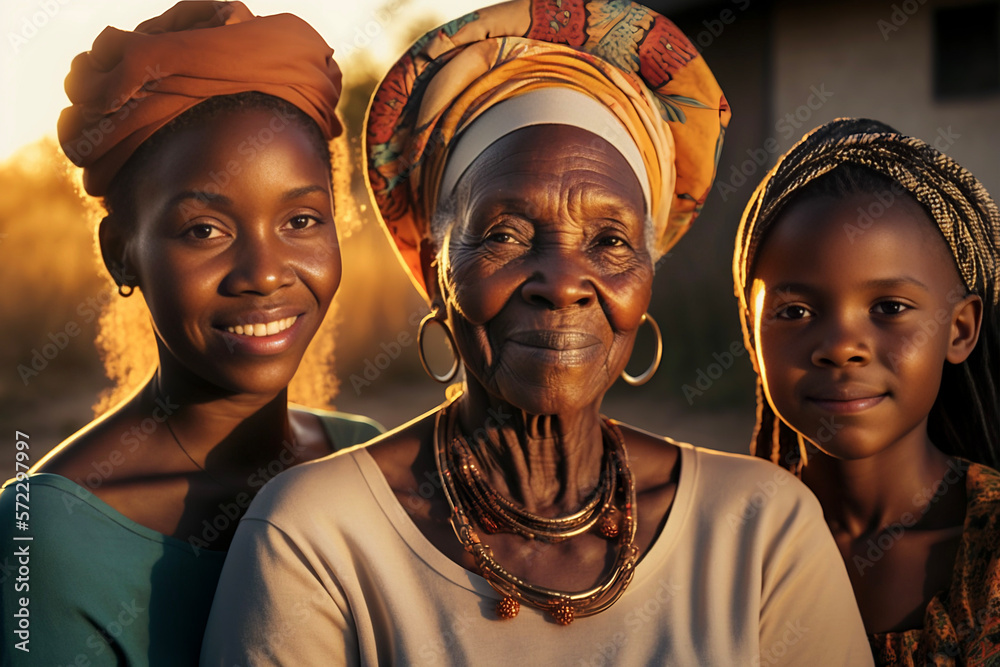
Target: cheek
478 303
625 299
479 289
319 265
174 282
917 357
474 348
776 351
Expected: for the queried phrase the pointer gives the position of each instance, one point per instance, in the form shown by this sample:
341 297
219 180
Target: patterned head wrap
131 84
630 59
954 199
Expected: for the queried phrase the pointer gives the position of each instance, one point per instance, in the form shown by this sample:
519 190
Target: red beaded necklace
611 506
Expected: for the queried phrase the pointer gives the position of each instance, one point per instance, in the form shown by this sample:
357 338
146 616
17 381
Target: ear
114 252
966 320
440 290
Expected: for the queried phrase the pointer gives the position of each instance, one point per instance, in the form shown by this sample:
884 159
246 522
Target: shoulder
977 581
50 497
322 508
106 443
982 520
748 495
63 518
742 469
725 476
303 487
342 428
741 491
65 514
983 485
312 496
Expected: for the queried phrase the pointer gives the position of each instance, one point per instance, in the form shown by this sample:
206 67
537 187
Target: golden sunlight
42 37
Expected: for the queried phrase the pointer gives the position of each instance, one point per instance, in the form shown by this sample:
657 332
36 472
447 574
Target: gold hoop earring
125 291
636 380
453 371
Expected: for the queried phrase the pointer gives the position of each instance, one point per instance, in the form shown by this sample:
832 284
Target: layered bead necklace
610 508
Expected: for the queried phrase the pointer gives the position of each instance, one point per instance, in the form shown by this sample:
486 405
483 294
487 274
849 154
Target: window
967 50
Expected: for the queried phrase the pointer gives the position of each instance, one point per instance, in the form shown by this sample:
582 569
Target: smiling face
547 270
234 248
854 326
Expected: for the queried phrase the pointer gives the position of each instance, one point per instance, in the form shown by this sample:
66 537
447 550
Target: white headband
549 106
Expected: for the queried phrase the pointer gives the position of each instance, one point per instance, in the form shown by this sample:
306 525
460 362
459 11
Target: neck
863 496
547 463
226 432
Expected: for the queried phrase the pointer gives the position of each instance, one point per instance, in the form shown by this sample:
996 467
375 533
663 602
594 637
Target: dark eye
793 312
612 241
302 222
890 307
500 237
204 231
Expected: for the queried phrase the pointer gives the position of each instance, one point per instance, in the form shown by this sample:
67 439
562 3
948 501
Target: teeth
268 329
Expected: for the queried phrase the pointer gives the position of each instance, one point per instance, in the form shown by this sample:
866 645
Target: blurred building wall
876 58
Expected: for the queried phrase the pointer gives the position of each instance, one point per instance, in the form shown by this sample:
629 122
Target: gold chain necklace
496 514
200 467
561 606
190 458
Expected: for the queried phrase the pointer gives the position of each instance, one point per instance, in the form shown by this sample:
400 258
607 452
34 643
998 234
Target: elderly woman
531 161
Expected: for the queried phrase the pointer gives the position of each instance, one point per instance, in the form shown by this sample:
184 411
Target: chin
849 449
251 381
544 400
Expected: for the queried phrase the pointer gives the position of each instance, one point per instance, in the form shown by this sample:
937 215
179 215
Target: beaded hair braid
965 419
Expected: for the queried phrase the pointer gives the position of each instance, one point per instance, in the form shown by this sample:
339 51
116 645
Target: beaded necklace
471 498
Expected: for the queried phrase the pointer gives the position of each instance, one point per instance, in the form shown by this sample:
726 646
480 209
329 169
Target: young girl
867 267
206 133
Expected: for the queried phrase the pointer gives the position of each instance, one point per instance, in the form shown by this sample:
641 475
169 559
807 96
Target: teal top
101 589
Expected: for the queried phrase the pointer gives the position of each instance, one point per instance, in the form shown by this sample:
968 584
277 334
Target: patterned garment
619 53
962 624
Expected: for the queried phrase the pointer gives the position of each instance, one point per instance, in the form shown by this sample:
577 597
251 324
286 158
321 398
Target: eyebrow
204 196
199 195
791 287
302 192
895 282
878 283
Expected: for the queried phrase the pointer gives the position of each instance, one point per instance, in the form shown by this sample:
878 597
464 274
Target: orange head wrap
131 84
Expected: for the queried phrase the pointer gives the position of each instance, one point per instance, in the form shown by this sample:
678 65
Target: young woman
867 267
206 133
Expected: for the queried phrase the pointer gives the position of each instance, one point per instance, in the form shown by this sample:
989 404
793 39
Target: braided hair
860 156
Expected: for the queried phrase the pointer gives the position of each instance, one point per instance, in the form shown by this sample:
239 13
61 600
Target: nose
559 280
260 266
841 344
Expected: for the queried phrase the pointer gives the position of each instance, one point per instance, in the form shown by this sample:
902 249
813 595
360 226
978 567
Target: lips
261 332
847 399
542 350
263 329
555 340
